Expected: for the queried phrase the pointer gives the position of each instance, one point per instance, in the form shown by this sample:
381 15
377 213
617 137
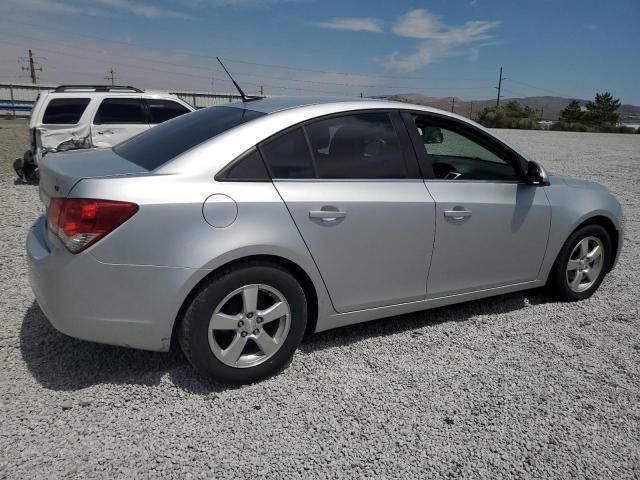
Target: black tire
193 329
558 285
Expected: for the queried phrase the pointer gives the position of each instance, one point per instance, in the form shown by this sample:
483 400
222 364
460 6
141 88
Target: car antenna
242 94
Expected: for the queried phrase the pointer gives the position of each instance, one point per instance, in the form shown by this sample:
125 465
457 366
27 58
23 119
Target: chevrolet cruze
237 229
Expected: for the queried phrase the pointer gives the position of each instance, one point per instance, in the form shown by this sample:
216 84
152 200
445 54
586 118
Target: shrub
511 115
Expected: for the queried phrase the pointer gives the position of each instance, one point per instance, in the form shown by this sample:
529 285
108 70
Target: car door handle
327 215
457 214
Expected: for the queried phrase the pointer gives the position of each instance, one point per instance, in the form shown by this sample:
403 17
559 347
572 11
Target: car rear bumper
125 305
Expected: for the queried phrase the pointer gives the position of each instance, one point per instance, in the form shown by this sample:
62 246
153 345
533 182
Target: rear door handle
457 214
327 215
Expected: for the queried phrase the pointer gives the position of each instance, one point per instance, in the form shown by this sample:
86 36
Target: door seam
307 246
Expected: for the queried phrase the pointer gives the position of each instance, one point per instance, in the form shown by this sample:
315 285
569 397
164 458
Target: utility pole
32 68
111 76
500 79
261 91
453 102
471 112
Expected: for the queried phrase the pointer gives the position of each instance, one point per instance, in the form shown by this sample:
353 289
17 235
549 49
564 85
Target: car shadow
62 363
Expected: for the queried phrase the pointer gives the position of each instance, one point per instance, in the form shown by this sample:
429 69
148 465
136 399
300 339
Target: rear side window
160 144
288 156
248 168
163 110
120 110
64 111
357 146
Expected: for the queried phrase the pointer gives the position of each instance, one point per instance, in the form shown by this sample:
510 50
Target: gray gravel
513 386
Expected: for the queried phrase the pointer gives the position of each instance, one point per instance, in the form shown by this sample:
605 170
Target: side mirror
431 135
536 175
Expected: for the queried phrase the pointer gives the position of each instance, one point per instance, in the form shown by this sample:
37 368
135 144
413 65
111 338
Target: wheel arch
298 273
606 223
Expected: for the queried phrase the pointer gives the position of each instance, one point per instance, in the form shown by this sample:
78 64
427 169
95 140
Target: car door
118 119
352 185
491 226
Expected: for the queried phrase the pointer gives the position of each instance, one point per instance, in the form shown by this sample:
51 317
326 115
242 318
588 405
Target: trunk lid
59 172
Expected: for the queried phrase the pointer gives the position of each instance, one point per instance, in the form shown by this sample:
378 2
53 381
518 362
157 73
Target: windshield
158 145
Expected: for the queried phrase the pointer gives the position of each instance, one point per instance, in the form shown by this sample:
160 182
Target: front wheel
581 264
245 323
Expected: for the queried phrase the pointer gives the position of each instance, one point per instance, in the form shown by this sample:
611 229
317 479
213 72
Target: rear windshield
157 146
64 111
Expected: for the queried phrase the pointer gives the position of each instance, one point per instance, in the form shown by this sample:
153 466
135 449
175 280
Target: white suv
72 117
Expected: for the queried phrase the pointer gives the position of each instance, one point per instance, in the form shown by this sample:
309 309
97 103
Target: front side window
163 110
357 146
158 145
454 155
288 156
120 110
64 111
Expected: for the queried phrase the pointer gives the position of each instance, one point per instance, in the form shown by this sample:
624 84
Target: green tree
572 113
511 115
603 111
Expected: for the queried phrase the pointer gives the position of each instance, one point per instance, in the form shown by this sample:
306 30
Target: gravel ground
513 386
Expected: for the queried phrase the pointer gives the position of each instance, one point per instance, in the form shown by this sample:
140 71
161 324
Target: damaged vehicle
73 117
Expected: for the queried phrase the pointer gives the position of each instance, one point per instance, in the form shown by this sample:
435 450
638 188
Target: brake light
81 222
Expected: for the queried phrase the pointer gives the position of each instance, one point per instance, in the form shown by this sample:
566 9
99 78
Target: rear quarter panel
169 229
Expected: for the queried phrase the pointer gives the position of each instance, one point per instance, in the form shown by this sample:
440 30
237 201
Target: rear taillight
81 222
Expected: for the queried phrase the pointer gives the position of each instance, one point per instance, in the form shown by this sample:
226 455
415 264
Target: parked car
237 229
75 117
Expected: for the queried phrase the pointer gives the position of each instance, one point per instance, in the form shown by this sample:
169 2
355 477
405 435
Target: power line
207 78
288 79
266 65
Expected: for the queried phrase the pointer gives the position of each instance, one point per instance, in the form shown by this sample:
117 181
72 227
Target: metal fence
18 98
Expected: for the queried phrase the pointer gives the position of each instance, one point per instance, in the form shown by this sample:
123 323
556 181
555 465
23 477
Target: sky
436 48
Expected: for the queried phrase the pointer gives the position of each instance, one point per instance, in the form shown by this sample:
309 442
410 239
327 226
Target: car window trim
412 173
141 101
512 158
412 164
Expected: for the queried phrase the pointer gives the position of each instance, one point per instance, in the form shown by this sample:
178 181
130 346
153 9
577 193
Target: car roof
271 105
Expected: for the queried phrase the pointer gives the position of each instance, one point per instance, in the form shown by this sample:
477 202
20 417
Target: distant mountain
549 107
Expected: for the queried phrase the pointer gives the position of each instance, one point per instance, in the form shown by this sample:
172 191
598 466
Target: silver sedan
237 229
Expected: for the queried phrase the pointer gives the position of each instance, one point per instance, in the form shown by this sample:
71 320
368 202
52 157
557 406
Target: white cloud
439 40
354 24
591 26
421 24
143 9
237 3
54 6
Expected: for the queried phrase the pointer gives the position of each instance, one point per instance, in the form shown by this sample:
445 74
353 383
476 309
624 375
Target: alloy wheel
585 264
249 326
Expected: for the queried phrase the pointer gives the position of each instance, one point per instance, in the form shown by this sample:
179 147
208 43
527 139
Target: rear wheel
581 264
245 323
